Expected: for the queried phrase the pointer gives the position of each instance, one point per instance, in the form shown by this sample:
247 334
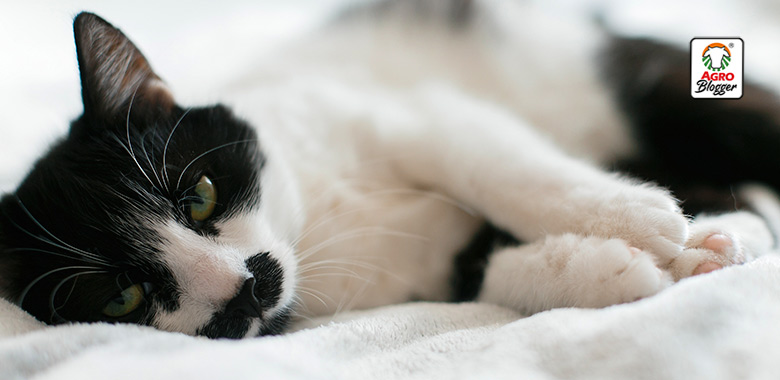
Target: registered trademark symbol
731 44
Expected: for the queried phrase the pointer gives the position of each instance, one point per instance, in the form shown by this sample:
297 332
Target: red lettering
715 77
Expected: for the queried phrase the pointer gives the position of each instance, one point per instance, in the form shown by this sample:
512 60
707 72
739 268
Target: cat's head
150 213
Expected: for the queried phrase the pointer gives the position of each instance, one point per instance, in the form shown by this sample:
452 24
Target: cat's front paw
610 271
710 252
719 241
647 217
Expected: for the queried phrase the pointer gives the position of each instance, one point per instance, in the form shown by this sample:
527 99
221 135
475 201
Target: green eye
126 303
206 193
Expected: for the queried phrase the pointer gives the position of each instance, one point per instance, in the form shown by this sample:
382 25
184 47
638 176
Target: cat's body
348 107
334 103
385 144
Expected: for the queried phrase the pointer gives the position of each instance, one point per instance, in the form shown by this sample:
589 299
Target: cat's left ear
115 76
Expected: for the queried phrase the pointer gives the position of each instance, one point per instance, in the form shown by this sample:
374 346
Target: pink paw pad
717 243
706 267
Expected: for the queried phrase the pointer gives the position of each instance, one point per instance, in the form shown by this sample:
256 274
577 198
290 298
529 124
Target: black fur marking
81 227
235 320
699 148
90 194
269 278
226 325
471 261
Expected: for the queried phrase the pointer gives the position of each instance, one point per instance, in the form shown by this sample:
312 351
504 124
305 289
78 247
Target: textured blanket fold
723 325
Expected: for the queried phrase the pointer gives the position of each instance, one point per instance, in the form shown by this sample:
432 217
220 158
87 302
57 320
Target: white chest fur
369 237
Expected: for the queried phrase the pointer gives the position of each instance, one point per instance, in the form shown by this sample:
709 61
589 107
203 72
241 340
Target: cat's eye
205 199
127 302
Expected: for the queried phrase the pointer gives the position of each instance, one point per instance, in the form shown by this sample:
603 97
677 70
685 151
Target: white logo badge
717 68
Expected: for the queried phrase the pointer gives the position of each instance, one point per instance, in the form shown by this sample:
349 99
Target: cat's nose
245 302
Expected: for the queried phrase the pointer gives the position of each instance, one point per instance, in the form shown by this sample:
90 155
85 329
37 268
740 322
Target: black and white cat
386 149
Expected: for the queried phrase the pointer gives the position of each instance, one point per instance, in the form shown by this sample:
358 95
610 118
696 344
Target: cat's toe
707 250
646 217
706 267
718 242
624 274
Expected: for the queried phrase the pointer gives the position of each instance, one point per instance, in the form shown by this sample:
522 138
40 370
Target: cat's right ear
116 78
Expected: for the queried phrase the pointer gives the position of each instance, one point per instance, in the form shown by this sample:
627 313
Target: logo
716 56
717 68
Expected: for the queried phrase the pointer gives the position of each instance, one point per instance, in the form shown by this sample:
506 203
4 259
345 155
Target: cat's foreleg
494 163
570 271
576 271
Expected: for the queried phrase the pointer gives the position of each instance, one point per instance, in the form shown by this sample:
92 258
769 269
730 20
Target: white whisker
342 306
57 289
129 147
329 217
356 233
311 293
53 253
66 247
165 150
207 152
41 277
149 161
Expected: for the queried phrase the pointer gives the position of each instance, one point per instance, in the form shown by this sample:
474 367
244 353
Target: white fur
209 271
208 275
398 146
394 139
571 270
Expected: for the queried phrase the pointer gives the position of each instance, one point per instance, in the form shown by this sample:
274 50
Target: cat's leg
494 163
718 241
570 270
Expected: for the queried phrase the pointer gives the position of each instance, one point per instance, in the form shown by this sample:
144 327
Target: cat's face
147 212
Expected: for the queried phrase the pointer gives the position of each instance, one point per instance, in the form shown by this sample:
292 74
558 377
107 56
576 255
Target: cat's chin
237 327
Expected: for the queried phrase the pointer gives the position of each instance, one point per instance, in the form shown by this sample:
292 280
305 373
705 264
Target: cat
409 151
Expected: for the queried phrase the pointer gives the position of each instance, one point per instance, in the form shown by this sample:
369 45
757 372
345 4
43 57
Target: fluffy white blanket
724 325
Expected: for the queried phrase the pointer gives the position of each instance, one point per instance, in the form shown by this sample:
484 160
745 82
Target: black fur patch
80 227
226 325
269 278
699 148
471 261
233 326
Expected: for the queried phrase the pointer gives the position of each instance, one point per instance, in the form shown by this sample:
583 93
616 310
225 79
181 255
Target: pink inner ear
158 93
114 73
